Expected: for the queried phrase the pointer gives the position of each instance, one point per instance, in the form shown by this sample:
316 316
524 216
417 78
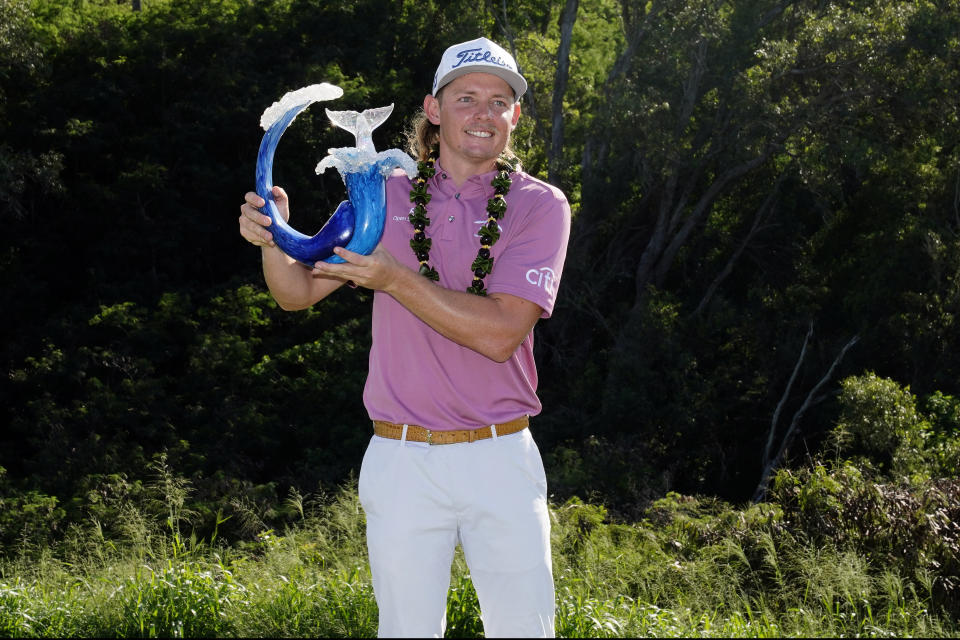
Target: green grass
663 579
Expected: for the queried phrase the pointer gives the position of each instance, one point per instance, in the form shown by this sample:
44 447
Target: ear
516 115
431 107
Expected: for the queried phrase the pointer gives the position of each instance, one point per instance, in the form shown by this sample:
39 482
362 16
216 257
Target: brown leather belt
417 433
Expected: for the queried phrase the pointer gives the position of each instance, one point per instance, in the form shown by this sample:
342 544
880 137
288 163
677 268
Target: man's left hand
376 271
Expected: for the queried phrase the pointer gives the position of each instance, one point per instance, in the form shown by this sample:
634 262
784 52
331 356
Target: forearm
488 325
493 326
293 286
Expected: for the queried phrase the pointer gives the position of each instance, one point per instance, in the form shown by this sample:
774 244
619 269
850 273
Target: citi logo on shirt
544 277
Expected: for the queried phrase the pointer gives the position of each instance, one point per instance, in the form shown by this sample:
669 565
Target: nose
484 111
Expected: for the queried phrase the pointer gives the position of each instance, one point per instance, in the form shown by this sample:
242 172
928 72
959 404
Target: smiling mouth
480 134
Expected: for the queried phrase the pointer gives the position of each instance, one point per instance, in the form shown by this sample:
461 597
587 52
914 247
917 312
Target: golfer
471 257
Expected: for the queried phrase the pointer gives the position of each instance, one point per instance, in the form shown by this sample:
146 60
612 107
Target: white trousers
491 496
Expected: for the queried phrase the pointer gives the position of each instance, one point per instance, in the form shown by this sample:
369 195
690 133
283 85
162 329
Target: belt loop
493 431
403 436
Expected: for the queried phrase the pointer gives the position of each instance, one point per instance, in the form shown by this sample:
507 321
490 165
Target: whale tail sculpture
361 124
358 222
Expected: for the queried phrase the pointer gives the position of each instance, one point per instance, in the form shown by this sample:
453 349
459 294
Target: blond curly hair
423 137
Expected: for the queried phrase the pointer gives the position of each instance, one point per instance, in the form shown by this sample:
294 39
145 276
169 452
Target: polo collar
476 187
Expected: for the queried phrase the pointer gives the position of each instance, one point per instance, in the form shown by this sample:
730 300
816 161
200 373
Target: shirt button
443 175
457 196
450 219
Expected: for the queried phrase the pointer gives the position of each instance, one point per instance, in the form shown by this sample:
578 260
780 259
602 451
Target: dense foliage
690 568
764 270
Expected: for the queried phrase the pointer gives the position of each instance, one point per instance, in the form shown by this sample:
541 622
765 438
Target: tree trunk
758 217
567 19
771 464
529 98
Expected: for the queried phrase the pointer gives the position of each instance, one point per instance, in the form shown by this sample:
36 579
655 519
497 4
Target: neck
460 170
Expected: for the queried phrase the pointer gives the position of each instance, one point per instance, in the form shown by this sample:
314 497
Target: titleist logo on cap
468 56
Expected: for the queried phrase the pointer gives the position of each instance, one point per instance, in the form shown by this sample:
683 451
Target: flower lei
489 233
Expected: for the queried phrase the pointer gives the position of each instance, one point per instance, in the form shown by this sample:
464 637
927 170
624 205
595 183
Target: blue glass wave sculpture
357 223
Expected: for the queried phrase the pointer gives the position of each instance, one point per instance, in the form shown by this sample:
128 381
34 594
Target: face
476 113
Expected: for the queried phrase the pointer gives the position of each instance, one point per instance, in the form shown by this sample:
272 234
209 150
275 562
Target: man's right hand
254 223
292 286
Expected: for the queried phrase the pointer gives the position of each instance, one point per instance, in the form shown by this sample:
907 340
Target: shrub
879 420
882 425
913 527
943 438
27 515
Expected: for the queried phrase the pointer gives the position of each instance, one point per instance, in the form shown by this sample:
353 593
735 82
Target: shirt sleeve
531 263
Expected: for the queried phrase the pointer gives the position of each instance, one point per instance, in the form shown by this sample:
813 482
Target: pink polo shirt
416 375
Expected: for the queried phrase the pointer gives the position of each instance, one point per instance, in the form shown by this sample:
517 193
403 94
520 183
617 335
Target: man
471 257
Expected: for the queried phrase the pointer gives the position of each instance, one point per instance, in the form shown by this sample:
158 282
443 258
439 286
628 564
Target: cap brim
512 78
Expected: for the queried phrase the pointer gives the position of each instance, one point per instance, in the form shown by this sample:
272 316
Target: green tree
761 166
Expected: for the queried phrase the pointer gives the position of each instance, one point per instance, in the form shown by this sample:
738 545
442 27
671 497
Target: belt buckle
429 436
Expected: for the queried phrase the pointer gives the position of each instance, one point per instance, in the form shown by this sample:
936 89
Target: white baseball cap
478 56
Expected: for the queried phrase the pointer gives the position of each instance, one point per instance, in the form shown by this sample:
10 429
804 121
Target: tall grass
701 570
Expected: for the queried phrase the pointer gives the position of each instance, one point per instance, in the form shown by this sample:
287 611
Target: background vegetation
758 307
